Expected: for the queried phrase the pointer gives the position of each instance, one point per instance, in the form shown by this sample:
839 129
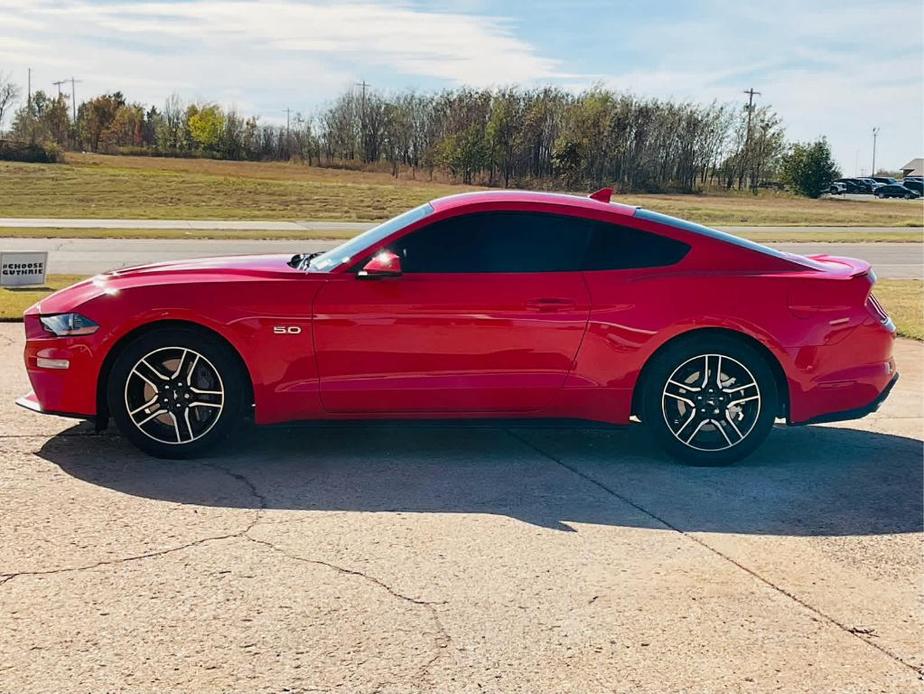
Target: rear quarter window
622 248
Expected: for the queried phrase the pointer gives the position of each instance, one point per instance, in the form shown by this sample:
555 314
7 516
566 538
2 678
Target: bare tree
9 93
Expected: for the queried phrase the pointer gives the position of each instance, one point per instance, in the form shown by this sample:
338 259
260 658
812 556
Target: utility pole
74 98
362 117
875 135
58 85
29 105
747 135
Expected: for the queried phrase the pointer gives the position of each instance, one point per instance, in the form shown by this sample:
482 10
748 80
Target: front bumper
856 412
31 402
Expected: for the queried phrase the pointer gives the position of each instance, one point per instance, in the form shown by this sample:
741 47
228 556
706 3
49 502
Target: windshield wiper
301 261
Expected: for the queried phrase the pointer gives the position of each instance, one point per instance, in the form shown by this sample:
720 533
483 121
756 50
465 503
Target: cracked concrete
452 559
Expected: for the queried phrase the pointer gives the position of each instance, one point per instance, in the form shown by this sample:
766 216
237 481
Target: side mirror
383 264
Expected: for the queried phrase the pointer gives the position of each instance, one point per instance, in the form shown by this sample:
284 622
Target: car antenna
602 195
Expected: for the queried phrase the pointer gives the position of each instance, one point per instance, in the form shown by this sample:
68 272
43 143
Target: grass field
96 186
903 299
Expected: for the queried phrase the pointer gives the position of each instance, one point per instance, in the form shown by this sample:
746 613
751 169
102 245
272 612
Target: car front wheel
176 392
709 400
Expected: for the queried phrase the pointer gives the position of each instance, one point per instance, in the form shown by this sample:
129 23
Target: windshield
345 252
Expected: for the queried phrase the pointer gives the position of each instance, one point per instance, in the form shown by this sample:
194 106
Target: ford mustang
480 305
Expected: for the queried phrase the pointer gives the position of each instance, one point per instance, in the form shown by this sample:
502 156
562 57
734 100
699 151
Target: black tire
727 428
193 413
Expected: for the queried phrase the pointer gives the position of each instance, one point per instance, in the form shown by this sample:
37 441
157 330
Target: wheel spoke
702 423
149 374
152 401
182 427
686 423
734 426
739 401
705 370
718 425
738 389
684 386
718 373
200 403
150 417
178 371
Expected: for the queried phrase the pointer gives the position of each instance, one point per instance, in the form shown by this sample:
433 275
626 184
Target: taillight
872 303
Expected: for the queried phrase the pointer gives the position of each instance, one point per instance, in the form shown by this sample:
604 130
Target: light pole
875 135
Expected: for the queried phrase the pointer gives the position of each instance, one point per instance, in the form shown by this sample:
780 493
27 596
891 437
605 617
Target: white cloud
221 47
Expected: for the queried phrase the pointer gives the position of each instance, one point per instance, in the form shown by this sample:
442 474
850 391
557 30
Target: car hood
227 268
233 265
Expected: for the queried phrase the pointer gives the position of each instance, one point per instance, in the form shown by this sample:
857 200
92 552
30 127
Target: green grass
97 186
903 299
13 300
319 234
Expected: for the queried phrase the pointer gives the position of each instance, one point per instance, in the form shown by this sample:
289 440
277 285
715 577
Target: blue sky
834 69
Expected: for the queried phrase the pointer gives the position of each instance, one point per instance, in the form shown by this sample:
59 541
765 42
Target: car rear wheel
176 392
709 400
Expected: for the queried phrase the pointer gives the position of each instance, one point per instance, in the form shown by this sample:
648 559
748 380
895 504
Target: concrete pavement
91 256
387 558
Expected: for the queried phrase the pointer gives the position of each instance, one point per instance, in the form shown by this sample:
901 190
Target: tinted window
497 242
532 242
620 248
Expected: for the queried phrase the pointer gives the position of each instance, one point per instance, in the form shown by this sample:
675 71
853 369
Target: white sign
22 268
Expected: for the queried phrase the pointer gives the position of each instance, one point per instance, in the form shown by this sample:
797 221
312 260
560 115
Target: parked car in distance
838 188
855 185
896 190
495 304
872 183
884 180
915 184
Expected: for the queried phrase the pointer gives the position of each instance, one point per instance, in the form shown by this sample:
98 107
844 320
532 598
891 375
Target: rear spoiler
844 267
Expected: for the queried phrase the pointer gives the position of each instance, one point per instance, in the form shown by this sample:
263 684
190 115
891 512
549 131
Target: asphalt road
313 225
449 558
91 256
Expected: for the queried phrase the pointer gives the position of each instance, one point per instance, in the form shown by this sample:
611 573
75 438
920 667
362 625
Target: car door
487 316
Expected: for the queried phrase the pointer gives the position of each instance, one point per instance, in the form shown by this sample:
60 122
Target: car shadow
806 481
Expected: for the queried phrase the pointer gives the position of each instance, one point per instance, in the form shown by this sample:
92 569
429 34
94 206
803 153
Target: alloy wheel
174 395
711 402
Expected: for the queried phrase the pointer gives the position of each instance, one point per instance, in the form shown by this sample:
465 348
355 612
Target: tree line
540 137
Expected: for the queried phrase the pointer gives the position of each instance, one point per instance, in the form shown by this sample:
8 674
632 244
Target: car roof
528 197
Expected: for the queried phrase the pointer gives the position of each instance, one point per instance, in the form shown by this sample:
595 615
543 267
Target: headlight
69 324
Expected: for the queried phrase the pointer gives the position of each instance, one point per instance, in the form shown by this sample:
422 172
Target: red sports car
493 304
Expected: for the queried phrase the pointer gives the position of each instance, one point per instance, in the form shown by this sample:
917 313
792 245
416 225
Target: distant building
915 167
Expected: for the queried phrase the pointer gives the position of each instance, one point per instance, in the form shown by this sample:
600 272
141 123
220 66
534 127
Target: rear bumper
856 412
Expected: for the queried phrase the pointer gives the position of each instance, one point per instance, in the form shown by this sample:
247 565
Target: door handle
550 304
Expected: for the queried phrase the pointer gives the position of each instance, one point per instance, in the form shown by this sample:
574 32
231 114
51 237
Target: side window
622 248
498 242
